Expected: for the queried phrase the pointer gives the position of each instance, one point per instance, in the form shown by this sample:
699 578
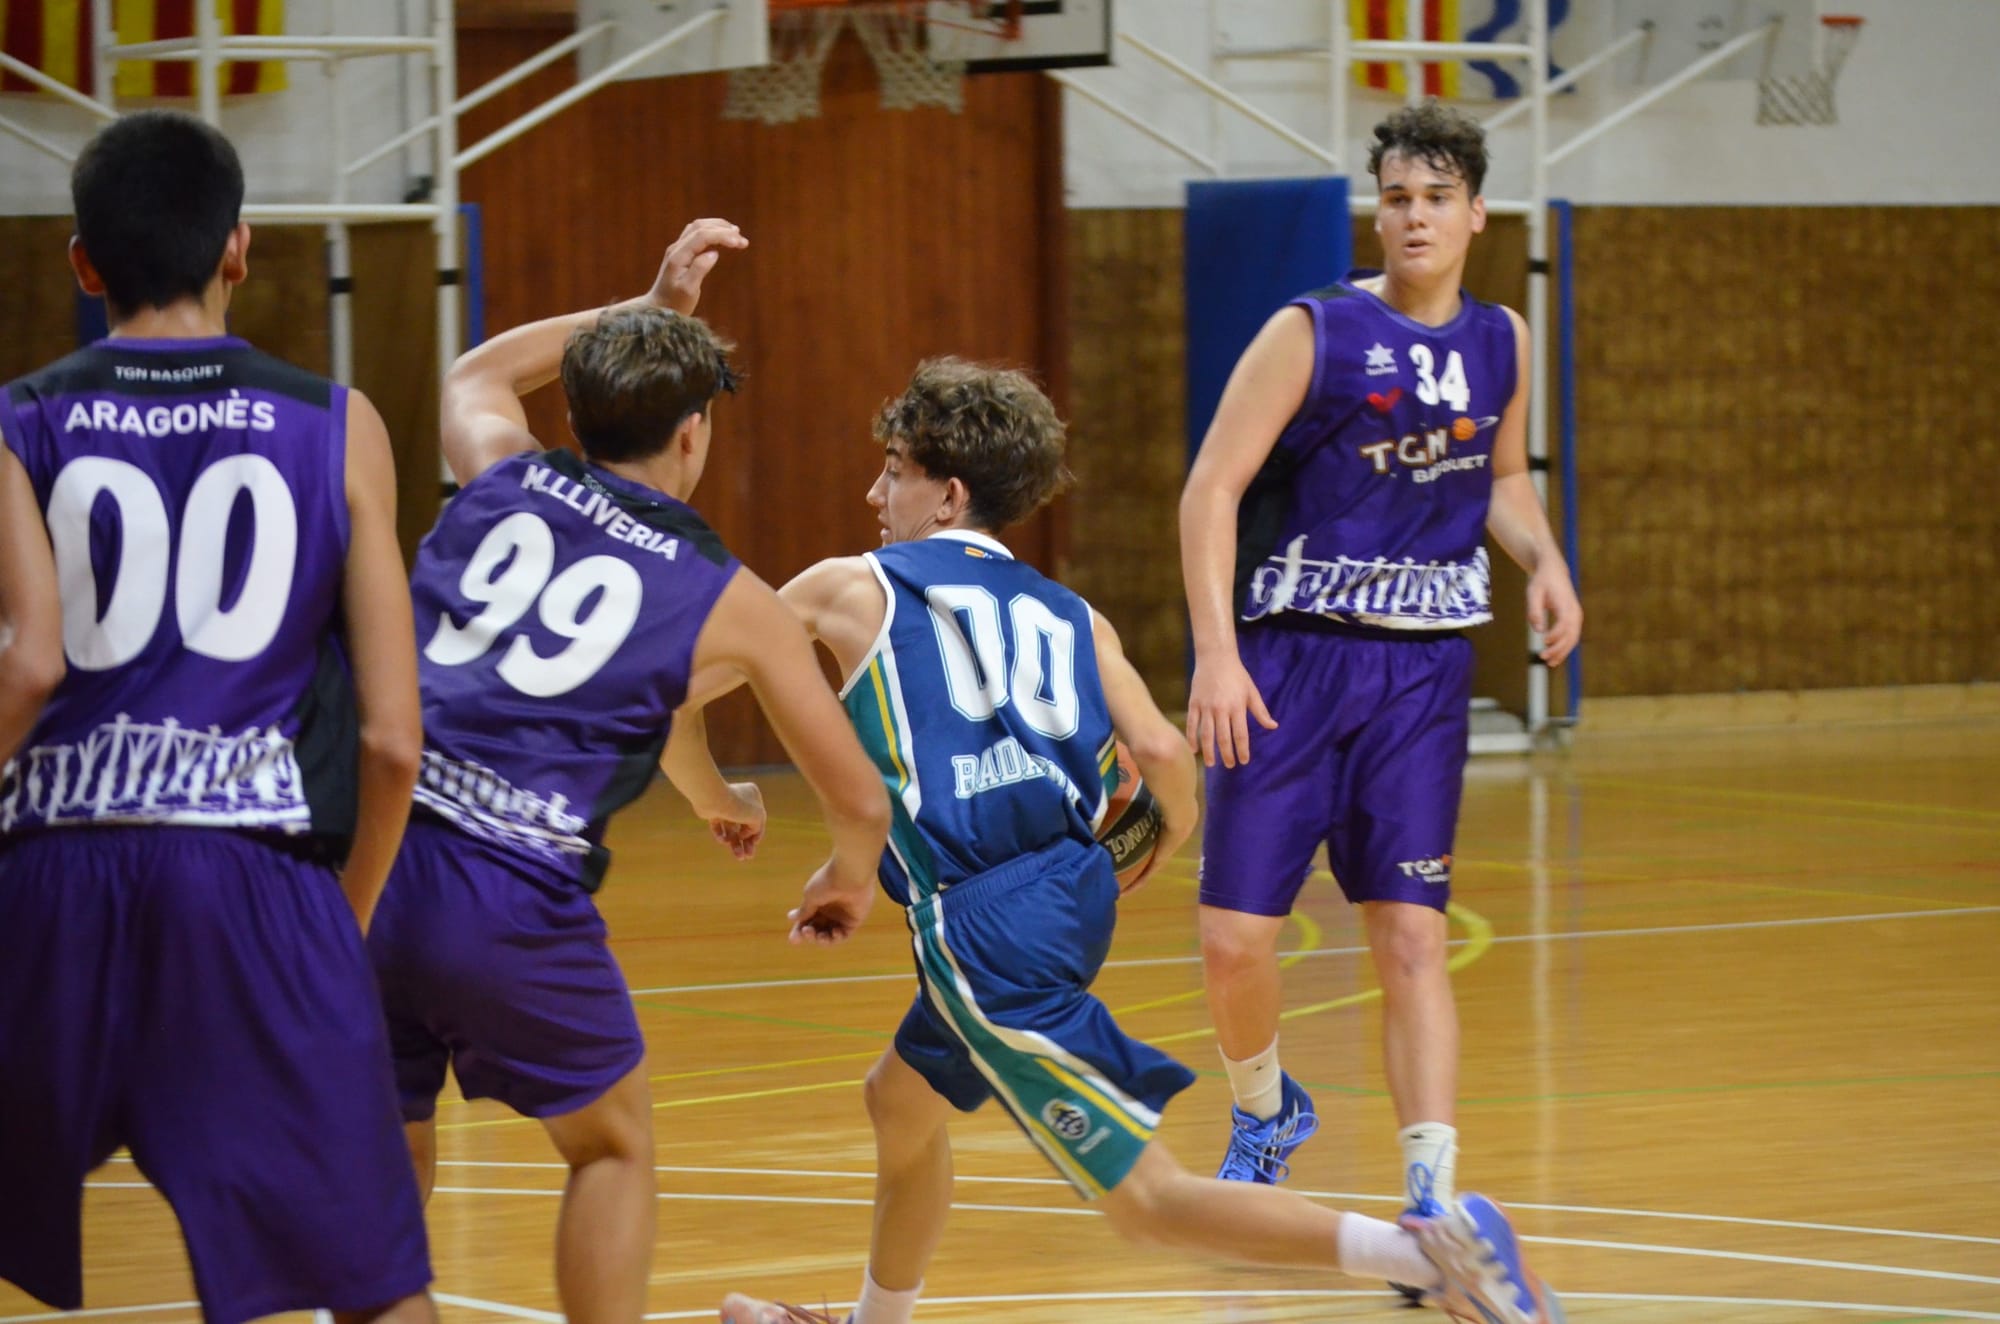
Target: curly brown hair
991 428
635 373
1440 136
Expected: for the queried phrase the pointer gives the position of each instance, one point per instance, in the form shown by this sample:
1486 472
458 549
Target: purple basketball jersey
1371 509
196 499
557 608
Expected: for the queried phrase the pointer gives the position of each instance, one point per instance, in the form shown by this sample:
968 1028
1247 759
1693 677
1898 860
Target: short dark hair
635 374
157 194
991 428
1436 134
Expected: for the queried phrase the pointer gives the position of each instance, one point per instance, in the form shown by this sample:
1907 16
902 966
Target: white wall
1918 100
285 138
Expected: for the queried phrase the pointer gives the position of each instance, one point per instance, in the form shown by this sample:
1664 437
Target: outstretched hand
1222 701
688 261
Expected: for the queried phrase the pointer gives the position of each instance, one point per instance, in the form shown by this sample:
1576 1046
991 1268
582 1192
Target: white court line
1661 931
1030 1298
1342 1197
494 1308
1641 1248
103 1310
556 1193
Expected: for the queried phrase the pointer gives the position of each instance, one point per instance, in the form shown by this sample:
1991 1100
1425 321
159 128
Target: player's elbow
392 753
863 804
32 665
1159 746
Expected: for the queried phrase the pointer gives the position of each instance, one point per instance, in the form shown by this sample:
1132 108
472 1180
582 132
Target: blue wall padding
1251 246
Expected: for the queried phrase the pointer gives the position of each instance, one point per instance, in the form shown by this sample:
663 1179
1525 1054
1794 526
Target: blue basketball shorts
1005 962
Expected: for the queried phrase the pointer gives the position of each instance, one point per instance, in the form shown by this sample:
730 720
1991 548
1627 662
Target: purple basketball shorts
501 970
203 999
1368 757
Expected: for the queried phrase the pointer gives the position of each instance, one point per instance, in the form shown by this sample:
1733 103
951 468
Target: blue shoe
1258 1147
1417 1186
1485 1278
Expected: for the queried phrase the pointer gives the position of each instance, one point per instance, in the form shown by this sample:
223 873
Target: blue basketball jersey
557 609
981 705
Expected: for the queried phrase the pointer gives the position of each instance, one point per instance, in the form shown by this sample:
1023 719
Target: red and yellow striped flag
56 36
1386 20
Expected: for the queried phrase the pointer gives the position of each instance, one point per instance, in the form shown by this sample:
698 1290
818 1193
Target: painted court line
1639 1248
103 1310
1053 1298
1341 1197
497 1308
1666 930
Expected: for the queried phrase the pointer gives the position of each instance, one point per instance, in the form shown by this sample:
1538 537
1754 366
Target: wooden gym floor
1732 1053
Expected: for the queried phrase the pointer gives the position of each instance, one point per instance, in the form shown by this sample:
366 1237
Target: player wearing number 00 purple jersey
200 579
562 605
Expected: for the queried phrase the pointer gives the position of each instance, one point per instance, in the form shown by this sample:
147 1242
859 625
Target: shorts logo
1066 1119
1436 870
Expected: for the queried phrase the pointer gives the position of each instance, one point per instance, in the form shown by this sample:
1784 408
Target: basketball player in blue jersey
989 696
199 571
1331 539
562 604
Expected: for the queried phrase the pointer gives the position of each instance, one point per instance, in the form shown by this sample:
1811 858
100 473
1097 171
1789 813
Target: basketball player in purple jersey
200 571
1331 539
562 604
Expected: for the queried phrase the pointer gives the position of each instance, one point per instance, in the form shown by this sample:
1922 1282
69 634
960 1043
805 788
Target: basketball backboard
1054 34
1686 30
739 38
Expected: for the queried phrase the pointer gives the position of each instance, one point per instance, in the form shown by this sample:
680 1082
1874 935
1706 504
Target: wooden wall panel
394 270
876 238
1128 441
1786 420
38 308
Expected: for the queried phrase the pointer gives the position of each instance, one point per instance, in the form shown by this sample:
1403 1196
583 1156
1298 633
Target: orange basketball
1131 826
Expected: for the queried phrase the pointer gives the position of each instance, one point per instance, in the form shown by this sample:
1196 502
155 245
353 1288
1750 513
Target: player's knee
1229 948
1409 943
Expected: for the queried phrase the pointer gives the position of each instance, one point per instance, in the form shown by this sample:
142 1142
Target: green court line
716 1013
1743 1087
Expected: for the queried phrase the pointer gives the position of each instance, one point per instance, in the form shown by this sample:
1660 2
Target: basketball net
802 37
1808 98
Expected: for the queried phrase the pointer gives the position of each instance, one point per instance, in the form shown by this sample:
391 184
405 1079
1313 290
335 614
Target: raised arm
1516 519
754 637
481 419
31 645
1268 386
1157 747
382 649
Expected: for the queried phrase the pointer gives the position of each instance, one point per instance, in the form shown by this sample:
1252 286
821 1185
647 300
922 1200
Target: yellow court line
1634 794
1795 797
1478 931
761 1066
1479 939
1310 934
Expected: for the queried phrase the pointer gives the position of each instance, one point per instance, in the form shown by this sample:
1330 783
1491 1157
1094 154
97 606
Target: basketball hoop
787 89
1808 98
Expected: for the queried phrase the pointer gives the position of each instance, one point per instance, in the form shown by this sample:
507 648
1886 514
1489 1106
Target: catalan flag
1388 20
56 37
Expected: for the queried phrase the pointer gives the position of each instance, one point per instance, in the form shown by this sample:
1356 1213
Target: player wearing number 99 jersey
199 571
562 605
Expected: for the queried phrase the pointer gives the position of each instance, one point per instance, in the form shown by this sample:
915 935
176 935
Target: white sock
1431 1145
1370 1248
879 1305
1258 1082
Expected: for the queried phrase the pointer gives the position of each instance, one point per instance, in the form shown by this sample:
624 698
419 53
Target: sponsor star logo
1381 360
